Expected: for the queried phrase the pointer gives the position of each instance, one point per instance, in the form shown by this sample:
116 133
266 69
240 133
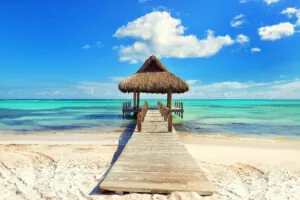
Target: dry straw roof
153 77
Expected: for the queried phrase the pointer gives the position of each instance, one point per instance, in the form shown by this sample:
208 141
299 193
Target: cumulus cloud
290 12
237 21
160 34
242 39
280 89
255 50
247 90
277 31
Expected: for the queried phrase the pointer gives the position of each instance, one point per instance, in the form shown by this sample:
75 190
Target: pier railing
126 105
141 116
179 109
167 114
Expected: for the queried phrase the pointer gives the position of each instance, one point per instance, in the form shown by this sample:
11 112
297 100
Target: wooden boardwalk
155 161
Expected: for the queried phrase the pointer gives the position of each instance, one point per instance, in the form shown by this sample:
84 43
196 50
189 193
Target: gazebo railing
126 105
141 116
179 108
167 114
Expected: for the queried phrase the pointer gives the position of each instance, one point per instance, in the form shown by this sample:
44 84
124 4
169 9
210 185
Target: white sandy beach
70 166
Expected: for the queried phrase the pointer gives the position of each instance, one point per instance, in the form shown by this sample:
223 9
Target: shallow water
260 117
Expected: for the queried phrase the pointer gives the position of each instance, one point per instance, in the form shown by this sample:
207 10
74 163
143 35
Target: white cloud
280 89
191 82
269 2
247 90
242 39
255 50
99 89
117 78
243 1
160 34
292 86
50 93
99 44
87 46
237 21
143 1
277 31
290 12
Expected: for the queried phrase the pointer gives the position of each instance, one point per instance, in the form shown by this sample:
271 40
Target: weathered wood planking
156 161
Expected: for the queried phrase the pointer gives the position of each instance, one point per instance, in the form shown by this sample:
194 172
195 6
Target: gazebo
153 77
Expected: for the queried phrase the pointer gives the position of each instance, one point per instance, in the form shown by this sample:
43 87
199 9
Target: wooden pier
156 161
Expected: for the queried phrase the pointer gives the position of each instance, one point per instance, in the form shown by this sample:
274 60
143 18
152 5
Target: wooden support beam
138 99
181 110
139 122
169 99
170 123
134 99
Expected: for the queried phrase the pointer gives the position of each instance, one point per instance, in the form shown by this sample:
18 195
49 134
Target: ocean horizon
201 116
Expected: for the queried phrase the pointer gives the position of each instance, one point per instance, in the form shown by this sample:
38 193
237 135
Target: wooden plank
150 187
155 160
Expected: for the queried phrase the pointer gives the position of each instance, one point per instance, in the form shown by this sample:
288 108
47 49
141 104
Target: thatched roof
153 77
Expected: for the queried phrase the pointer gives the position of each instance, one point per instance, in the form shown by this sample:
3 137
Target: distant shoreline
164 99
99 136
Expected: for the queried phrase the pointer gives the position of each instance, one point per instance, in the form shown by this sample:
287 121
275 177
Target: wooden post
179 105
134 99
138 99
169 101
181 110
170 123
139 122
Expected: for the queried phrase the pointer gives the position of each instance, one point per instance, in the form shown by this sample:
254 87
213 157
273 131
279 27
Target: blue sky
82 49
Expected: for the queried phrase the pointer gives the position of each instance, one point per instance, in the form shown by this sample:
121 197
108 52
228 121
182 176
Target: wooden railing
141 116
126 105
179 105
167 114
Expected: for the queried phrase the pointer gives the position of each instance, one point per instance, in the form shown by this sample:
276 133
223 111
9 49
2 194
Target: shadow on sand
123 139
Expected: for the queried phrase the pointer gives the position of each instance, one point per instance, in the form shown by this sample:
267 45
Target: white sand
68 166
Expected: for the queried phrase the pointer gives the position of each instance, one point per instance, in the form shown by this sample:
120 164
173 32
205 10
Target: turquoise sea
259 117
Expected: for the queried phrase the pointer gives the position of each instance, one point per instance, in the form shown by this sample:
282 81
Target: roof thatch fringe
153 77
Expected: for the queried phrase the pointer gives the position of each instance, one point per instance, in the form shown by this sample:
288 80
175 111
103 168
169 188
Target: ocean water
258 117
